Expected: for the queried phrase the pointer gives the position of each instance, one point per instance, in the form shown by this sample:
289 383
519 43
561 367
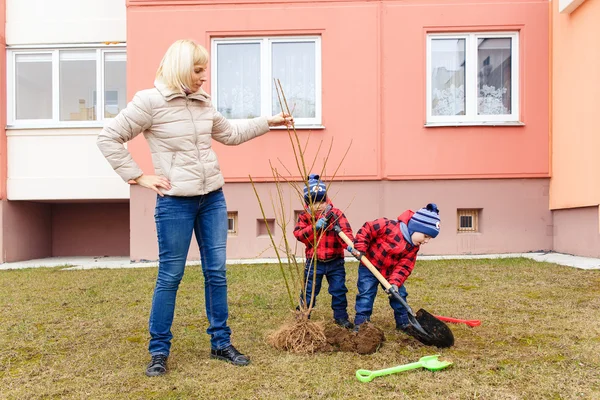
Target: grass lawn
83 335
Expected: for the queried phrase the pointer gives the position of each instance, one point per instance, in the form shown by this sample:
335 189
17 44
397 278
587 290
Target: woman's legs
211 233
174 225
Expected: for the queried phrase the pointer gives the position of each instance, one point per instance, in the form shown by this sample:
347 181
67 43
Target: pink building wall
577 231
373 82
576 90
575 183
27 230
514 216
2 122
461 152
374 96
38 230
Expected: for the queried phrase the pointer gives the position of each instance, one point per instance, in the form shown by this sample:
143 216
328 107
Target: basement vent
262 227
468 220
232 222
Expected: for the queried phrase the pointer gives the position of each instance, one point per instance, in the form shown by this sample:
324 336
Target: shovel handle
394 293
470 322
365 375
364 259
375 272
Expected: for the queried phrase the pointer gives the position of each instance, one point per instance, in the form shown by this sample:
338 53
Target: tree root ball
305 336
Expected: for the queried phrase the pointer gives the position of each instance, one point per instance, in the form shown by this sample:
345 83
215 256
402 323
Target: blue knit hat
426 220
316 190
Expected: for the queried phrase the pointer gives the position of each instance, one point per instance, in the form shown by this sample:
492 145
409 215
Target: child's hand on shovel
393 288
357 254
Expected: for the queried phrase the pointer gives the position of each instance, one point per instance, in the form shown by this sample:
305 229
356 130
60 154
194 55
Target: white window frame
267 83
471 117
55 122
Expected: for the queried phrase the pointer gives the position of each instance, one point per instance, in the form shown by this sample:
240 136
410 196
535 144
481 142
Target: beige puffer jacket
179 130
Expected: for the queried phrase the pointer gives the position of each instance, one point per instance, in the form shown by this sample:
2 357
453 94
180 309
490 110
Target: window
243 73
473 78
468 220
232 221
59 87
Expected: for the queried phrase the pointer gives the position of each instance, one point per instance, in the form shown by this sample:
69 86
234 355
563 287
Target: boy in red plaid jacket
392 247
329 252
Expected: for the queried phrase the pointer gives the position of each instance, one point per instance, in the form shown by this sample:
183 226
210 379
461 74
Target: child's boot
344 323
402 323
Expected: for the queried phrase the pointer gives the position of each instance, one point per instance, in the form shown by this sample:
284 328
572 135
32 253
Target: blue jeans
176 218
336 277
367 290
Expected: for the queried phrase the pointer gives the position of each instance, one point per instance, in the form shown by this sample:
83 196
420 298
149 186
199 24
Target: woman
179 122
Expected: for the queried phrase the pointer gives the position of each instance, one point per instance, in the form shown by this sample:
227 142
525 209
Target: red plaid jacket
330 245
383 244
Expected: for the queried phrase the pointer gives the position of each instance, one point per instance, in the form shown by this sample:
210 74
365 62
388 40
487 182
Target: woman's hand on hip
281 119
154 182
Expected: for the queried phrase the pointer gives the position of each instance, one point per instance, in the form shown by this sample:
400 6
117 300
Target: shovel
428 362
469 322
423 326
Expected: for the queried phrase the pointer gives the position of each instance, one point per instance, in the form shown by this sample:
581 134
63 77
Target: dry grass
83 335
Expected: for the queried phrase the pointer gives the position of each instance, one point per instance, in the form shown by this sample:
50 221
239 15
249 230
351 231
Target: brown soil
305 336
366 341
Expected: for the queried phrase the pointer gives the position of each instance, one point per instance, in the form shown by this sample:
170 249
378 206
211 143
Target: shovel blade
438 333
433 363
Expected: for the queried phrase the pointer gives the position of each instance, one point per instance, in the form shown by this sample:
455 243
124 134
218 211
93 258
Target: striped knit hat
426 220
316 189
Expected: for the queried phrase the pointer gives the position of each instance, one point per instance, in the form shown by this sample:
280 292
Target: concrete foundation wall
514 214
577 231
26 230
89 229
33 230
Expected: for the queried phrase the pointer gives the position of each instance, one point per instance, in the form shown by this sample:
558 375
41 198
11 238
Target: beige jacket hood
179 130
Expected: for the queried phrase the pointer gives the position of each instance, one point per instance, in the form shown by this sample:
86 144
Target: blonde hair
177 65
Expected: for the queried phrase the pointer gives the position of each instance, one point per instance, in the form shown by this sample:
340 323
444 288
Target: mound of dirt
305 336
366 341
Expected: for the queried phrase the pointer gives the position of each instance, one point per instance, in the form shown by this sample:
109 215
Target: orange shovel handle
469 322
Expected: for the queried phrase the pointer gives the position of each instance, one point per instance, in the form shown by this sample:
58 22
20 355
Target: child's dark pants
367 290
335 273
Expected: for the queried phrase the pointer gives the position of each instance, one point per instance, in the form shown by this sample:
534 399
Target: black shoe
344 323
230 354
402 328
157 366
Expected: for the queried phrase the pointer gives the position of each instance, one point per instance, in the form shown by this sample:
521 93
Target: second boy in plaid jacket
392 247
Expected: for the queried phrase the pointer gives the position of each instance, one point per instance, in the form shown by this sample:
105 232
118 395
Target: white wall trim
568 6
59 188
65 21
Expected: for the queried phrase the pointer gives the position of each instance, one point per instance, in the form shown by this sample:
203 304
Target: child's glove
392 288
321 223
357 254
